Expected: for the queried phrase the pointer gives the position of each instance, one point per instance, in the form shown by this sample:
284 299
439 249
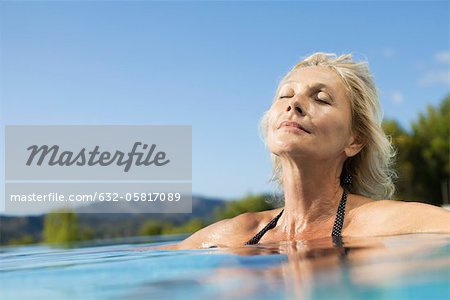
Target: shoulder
385 217
231 232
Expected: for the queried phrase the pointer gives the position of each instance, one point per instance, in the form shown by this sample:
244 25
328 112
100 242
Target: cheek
272 117
271 138
270 130
335 127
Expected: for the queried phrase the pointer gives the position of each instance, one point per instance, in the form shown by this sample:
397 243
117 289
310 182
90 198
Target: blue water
396 267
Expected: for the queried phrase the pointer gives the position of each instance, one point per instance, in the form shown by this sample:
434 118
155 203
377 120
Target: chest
307 232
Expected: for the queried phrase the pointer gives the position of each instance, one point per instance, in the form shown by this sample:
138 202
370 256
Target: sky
212 65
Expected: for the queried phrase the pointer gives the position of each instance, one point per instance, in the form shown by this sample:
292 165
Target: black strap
337 227
340 215
254 240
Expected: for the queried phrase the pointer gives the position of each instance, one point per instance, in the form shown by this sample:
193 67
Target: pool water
396 267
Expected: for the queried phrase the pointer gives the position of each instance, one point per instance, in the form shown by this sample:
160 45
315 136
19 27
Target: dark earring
347 180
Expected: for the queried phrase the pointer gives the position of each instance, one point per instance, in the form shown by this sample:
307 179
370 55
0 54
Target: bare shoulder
231 232
385 217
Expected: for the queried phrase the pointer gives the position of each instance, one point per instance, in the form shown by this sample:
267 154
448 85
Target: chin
286 147
280 142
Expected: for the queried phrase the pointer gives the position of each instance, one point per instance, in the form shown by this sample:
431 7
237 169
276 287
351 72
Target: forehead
310 76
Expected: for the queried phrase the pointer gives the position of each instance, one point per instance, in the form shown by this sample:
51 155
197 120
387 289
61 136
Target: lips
293 124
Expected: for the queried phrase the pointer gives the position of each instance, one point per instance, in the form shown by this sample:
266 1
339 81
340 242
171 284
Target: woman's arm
427 218
388 217
205 237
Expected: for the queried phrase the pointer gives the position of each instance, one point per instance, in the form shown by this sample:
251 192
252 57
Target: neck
311 195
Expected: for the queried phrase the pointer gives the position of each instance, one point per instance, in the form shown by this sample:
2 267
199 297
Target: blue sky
212 65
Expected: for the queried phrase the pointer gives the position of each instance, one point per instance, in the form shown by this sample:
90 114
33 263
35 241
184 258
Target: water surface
397 267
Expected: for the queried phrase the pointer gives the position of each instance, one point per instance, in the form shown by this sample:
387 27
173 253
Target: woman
333 161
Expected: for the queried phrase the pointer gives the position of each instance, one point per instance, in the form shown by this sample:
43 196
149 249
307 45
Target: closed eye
322 101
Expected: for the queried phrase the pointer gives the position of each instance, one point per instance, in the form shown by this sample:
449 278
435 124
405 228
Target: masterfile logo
98 152
53 156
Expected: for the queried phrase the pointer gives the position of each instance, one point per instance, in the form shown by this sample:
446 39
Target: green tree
190 226
86 233
423 155
430 152
23 240
249 203
151 227
61 227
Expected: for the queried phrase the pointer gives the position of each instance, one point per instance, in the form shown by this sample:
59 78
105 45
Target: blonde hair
371 169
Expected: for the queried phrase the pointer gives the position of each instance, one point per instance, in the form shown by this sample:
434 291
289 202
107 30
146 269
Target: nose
295 106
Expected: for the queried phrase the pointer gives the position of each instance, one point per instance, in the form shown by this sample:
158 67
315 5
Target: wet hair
371 169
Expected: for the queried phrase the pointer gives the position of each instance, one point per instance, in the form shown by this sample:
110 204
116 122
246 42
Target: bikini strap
340 215
254 240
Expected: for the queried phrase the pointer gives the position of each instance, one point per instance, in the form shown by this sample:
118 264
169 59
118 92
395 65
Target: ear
355 145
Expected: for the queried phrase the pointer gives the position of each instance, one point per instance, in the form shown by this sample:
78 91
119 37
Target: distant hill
107 225
19 227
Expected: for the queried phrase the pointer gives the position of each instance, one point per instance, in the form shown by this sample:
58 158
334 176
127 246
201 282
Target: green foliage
432 131
23 240
61 227
86 233
431 151
423 155
153 227
249 203
191 226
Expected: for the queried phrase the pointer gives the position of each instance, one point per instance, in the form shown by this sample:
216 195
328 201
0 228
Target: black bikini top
337 228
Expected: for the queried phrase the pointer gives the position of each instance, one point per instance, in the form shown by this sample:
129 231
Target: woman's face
311 117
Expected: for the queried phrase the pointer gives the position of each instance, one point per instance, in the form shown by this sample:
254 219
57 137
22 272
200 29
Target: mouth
293 124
